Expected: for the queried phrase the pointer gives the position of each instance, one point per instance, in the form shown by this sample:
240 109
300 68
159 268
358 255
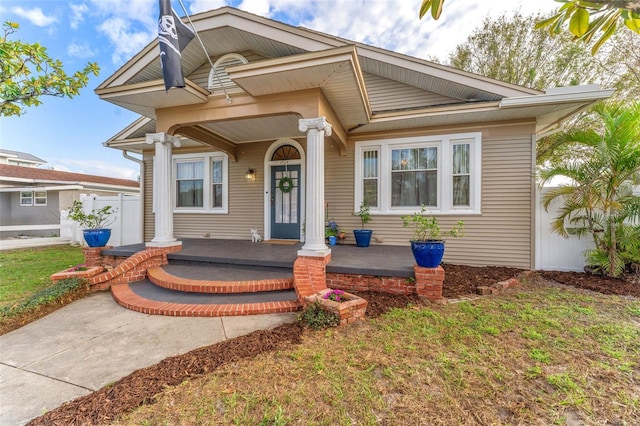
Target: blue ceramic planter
428 254
97 237
363 237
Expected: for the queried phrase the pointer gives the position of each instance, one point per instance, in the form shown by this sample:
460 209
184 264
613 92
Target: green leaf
579 23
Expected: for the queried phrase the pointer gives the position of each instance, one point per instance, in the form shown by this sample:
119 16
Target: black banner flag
173 37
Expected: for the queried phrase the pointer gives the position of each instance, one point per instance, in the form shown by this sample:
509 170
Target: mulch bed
142 386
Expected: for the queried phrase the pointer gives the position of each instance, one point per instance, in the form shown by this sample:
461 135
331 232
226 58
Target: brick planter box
350 311
69 273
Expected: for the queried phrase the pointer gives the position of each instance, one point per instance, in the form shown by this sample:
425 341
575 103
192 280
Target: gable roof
21 156
26 176
370 89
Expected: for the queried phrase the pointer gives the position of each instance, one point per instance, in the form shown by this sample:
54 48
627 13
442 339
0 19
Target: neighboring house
347 123
17 158
30 196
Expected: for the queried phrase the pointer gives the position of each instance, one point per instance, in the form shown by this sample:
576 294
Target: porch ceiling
234 132
257 129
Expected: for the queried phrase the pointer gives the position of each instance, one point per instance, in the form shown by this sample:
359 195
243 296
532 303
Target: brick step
143 296
194 278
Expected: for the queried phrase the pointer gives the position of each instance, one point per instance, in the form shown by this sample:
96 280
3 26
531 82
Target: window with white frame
201 183
33 198
397 176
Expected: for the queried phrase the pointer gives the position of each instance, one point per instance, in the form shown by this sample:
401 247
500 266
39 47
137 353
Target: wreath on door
286 184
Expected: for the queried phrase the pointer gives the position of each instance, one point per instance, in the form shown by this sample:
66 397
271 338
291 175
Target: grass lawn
541 354
25 271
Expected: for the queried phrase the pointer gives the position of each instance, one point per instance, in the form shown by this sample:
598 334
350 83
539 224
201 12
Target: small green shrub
44 296
317 318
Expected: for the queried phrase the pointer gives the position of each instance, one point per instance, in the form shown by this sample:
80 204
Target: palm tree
600 199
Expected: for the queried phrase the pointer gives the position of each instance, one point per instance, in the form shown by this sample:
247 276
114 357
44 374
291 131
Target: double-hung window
398 176
201 183
33 198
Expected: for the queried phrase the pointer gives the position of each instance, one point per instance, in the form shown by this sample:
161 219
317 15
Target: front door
285 202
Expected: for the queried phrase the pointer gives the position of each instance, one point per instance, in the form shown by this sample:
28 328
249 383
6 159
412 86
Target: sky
68 133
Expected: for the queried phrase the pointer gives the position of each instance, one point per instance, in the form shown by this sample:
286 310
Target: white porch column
316 129
162 199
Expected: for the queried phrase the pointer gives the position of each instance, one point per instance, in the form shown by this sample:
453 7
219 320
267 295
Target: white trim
42 188
207 159
558 95
267 183
444 145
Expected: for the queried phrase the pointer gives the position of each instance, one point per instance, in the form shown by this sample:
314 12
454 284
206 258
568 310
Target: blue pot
363 237
428 254
97 237
332 240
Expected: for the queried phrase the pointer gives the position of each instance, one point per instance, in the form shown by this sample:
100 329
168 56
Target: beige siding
501 235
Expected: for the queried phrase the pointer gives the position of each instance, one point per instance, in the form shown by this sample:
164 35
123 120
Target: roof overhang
335 71
144 98
547 109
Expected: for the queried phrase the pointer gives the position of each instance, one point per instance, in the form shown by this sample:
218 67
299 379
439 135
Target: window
370 176
33 198
26 198
201 183
397 176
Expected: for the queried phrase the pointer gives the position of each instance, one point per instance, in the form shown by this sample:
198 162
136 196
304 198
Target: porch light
250 175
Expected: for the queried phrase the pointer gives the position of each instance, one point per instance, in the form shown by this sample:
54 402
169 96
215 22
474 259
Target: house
31 198
281 128
17 158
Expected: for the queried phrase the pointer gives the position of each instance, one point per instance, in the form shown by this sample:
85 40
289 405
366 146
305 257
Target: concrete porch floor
376 260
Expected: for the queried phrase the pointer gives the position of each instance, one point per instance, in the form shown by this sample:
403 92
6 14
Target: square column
316 129
162 191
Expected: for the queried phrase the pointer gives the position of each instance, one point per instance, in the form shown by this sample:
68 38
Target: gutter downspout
126 155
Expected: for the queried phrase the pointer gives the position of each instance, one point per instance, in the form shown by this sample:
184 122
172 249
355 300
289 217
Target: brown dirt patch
628 285
142 386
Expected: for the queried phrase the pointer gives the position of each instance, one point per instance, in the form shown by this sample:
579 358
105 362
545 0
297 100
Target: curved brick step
162 278
125 295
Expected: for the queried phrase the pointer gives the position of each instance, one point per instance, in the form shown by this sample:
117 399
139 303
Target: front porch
213 277
375 261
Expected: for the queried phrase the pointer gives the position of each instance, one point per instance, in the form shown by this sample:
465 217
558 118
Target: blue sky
68 133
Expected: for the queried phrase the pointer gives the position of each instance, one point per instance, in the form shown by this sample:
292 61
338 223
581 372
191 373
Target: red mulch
142 386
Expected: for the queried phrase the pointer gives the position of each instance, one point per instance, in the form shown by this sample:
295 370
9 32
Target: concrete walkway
94 342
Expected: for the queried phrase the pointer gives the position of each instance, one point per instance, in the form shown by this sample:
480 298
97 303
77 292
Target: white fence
126 228
553 252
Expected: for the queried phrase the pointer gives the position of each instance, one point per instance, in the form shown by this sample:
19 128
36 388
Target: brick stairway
210 290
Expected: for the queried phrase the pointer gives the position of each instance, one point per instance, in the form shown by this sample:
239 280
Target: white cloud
35 16
78 12
94 167
198 6
127 41
129 25
80 50
259 7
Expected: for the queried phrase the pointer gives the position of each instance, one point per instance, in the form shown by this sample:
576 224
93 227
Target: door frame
267 183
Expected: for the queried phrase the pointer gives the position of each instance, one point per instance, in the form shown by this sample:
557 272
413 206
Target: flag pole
226 95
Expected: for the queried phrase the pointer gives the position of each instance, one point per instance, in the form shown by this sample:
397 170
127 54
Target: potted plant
331 232
427 243
363 236
95 223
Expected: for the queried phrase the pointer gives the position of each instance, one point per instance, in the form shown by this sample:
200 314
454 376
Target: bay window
398 176
200 183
